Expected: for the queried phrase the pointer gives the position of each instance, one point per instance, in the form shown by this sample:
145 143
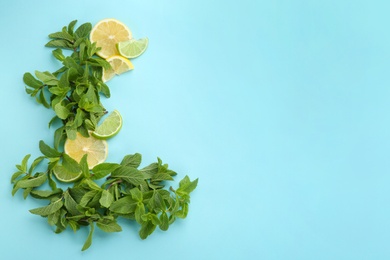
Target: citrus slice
110 126
64 175
132 48
119 65
107 33
96 149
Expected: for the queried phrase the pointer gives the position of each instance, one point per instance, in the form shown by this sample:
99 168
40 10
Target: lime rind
64 175
132 48
110 126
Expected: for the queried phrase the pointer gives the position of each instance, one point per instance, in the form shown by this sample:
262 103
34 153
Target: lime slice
110 126
132 48
96 150
64 175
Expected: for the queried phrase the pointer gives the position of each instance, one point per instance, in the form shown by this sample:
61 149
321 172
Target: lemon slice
107 33
119 65
96 149
110 126
132 48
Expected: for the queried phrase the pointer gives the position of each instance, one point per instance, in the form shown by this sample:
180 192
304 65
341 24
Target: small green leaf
186 186
57 53
125 205
35 163
30 81
59 44
33 182
83 30
61 111
103 169
164 221
129 174
106 199
139 212
47 210
70 204
136 194
48 151
45 194
109 226
88 242
46 77
132 160
147 228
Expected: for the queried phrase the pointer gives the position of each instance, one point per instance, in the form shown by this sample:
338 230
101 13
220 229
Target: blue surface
281 108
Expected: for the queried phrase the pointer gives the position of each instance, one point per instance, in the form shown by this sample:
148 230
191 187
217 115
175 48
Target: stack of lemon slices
117 46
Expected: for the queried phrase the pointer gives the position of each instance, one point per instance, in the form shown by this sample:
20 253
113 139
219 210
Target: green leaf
125 205
45 194
139 212
70 164
59 44
57 53
183 212
61 111
136 194
103 169
84 166
34 182
16 175
46 77
88 197
109 226
88 242
24 163
70 204
30 81
129 174
164 221
64 35
161 176
132 160
47 210
147 228
106 199
186 186
35 163
150 170
59 137
83 30
71 26
48 151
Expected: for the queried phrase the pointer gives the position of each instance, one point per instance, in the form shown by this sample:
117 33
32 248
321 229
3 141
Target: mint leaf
48 151
129 174
132 160
109 226
34 182
30 81
47 210
88 242
106 199
103 169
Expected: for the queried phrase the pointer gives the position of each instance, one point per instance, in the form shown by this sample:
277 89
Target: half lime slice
132 48
110 126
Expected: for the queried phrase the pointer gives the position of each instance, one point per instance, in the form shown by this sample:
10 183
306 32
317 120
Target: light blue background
281 108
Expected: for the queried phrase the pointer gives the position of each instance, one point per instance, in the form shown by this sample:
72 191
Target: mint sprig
109 190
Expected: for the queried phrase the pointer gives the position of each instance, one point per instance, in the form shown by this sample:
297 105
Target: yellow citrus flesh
119 65
96 149
107 33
